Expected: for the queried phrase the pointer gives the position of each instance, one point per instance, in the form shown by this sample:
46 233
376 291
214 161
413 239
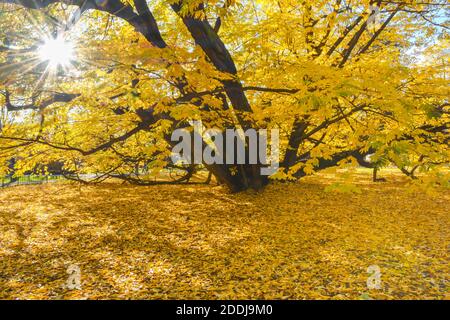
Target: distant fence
28 180
39 179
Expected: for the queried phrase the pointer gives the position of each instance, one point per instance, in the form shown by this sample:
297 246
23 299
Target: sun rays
52 53
57 52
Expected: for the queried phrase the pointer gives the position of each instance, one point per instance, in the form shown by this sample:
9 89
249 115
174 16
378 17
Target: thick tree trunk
240 179
236 175
295 139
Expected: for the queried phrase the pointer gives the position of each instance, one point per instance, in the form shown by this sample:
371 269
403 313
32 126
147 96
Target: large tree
340 79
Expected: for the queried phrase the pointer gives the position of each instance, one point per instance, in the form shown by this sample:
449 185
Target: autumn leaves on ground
292 241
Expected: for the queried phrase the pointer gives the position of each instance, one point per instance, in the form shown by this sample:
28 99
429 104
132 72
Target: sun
57 52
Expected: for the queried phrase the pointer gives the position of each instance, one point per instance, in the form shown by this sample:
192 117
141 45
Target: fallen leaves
292 241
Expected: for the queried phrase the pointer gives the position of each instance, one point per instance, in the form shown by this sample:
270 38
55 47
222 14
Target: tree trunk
295 139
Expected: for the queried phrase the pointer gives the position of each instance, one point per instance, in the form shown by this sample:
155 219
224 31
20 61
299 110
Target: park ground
291 241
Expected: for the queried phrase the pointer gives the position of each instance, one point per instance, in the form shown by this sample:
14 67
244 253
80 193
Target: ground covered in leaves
293 241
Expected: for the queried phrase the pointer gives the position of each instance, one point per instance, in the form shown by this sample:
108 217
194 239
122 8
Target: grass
292 241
